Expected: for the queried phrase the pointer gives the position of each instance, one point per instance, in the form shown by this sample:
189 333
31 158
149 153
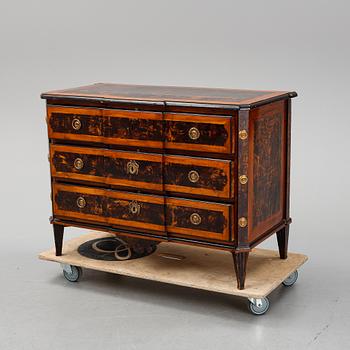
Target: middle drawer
181 174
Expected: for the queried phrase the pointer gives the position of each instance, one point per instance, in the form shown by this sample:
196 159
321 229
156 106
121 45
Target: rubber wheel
76 274
290 280
259 310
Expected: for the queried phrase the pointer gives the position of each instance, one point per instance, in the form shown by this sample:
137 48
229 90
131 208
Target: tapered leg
282 239
240 262
58 232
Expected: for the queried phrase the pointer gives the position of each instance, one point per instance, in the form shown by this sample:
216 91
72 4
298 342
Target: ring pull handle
78 164
193 176
134 207
81 202
132 167
76 124
194 133
195 219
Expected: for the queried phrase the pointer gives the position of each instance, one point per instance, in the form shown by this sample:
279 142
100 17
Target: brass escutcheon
243 134
242 222
243 179
194 133
78 164
76 124
195 219
81 202
134 207
193 176
132 167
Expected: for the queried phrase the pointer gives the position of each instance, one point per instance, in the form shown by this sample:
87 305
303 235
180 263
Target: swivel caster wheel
258 306
72 273
290 280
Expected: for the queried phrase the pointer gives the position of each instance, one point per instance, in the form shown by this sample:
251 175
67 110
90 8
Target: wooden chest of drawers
190 165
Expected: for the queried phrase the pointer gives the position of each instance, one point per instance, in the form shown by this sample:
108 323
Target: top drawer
142 129
196 132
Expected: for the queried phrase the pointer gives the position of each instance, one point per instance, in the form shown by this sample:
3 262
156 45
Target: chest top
168 94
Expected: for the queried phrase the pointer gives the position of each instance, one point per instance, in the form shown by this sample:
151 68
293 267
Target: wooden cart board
190 266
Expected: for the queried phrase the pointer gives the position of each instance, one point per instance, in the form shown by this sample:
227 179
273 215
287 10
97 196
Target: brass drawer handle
76 124
194 133
78 164
132 167
134 207
195 219
193 176
81 202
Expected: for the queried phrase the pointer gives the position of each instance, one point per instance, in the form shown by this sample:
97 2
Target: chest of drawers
199 166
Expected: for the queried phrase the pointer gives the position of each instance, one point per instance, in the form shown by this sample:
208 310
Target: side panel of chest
266 171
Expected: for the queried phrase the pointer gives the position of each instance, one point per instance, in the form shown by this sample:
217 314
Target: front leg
282 239
240 262
58 233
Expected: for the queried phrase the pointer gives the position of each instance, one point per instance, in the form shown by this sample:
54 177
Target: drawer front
133 128
198 133
111 207
131 169
75 124
122 127
77 163
142 129
209 177
200 219
141 170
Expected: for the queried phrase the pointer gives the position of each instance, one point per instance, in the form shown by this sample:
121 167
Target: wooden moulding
195 267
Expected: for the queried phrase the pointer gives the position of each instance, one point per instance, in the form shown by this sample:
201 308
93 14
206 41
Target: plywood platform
190 266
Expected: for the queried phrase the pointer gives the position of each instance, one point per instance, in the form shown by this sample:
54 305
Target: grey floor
297 45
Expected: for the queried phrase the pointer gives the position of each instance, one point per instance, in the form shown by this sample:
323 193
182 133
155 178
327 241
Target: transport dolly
190 266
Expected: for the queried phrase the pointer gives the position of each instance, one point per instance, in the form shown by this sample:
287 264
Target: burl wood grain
268 167
111 167
63 162
215 222
111 207
133 128
215 132
108 167
141 128
60 124
214 176
149 172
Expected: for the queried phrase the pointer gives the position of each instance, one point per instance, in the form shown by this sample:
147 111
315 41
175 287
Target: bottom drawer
176 216
197 218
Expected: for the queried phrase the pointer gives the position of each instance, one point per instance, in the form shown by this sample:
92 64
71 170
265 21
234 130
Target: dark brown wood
267 167
288 154
214 219
58 231
60 124
134 128
214 176
167 94
214 132
113 207
242 170
240 260
282 239
172 164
